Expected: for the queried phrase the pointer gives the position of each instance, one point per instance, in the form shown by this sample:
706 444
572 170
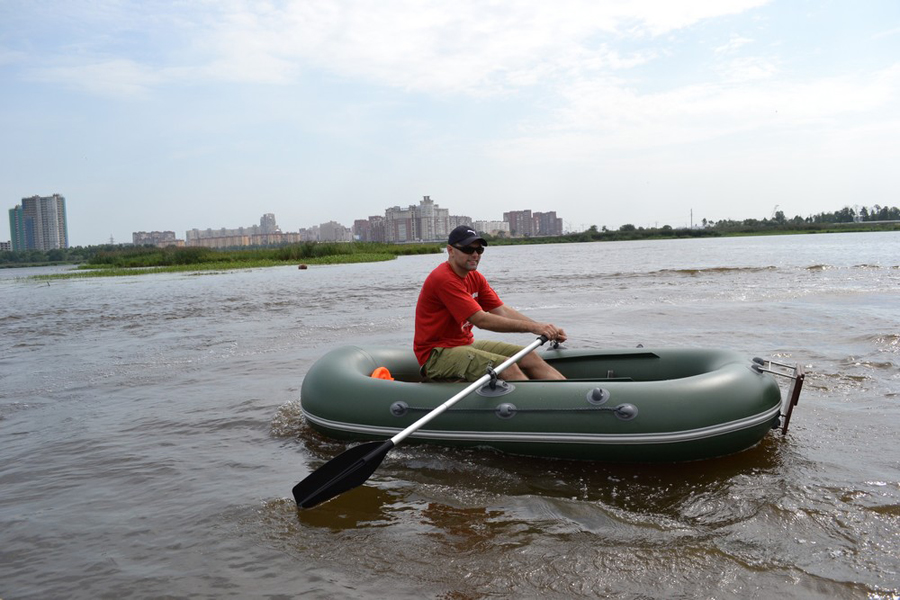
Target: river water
150 435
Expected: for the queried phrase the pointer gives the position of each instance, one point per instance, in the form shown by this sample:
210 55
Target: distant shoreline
159 260
668 233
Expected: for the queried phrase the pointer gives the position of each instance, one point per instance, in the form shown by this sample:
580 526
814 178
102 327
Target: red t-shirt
445 304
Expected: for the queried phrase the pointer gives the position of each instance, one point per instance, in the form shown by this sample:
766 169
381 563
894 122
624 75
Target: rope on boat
506 410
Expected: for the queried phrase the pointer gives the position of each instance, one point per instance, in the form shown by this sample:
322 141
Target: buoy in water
302 267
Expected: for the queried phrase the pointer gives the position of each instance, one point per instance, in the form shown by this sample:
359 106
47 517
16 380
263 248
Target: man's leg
532 366
537 368
469 363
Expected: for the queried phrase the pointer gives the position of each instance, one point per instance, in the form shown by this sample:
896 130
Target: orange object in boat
382 373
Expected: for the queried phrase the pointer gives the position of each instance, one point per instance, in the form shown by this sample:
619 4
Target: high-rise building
455 221
425 222
369 230
400 224
267 224
332 231
547 223
432 220
39 223
521 223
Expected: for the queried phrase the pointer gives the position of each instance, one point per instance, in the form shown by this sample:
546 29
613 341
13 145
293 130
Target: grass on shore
149 260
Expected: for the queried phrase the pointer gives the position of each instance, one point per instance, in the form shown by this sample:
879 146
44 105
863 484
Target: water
150 435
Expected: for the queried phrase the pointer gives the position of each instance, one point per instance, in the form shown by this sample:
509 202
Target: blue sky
173 115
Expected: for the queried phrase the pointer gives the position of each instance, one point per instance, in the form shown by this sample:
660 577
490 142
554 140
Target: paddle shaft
468 390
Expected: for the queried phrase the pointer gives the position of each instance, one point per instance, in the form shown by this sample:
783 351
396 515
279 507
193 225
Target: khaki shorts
468 362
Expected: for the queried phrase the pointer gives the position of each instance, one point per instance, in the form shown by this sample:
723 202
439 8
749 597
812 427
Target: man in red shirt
456 297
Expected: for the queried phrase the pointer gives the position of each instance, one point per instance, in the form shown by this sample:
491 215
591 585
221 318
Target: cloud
749 68
736 42
8 57
112 77
887 33
661 17
603 116
464 47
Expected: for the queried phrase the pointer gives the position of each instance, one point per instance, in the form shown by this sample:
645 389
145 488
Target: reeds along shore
146 259
307 251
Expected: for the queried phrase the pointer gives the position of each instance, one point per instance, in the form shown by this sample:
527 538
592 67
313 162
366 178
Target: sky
155 116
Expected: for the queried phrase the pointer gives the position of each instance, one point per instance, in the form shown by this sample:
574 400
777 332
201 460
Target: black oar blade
343 472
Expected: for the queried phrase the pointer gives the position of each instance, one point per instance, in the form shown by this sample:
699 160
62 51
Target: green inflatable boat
638 405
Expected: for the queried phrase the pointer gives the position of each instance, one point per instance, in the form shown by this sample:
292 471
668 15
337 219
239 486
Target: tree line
845 215
866 219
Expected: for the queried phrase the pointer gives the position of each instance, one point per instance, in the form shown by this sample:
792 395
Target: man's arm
504 319
511 313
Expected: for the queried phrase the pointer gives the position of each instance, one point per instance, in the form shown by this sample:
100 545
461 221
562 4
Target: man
454 298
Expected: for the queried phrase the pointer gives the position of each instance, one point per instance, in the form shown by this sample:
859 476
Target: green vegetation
40 258
116 261
308 252
845 220
109 260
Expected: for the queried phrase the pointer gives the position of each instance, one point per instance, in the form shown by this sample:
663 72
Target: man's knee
513 373
531 360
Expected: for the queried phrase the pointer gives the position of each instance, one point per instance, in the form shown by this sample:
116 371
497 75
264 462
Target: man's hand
552 332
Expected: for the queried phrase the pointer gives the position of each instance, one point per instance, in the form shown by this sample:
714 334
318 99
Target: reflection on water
366 507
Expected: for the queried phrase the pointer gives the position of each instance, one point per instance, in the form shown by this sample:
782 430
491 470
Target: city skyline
425 222
263 229
152 115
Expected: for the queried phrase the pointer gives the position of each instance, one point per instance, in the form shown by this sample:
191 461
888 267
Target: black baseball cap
464 235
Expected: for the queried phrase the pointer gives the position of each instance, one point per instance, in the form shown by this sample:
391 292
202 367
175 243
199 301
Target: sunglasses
470 249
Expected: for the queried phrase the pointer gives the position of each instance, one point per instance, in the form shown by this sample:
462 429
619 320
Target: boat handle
793 372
